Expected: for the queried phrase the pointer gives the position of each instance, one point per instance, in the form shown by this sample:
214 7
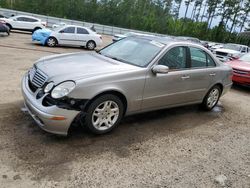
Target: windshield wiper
115 58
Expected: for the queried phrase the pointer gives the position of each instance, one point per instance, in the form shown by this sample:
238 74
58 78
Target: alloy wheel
105 115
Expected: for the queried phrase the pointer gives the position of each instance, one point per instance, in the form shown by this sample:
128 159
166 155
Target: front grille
221 53
237 71
37 77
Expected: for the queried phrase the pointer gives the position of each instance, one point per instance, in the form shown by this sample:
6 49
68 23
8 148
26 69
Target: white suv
230 51
24 23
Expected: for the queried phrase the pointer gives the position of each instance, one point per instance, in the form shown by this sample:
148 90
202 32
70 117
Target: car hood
75 66
241 65
227 51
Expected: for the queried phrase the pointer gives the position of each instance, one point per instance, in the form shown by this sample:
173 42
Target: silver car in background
131 76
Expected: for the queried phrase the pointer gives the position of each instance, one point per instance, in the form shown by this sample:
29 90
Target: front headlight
63 89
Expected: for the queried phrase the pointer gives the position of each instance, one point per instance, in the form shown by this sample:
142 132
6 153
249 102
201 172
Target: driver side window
175 58
68 30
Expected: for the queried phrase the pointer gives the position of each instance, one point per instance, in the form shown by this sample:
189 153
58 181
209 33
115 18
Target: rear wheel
104 114
91 45
9 26
212 98
51 42
36 29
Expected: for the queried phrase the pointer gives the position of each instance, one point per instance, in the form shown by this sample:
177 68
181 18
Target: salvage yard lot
180 147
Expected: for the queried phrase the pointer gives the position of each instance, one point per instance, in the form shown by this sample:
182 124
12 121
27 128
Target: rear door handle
185 77
212 74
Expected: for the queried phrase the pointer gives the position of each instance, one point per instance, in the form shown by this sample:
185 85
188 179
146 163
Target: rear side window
175 58
210 61
82 31
29 20
68 30
200 58
20 19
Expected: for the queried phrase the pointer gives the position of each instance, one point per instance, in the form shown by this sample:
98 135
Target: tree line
213 20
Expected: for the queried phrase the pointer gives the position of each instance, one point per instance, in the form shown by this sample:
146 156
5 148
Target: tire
211 98
9 26
51 42
91 45
36 29
100 119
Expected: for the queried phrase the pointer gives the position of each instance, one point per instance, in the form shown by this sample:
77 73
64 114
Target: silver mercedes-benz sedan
133 75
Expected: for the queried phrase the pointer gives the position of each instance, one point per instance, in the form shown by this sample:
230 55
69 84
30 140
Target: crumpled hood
43 31
75 66
227 51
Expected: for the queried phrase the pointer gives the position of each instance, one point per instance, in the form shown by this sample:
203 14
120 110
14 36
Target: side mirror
160 69
62 31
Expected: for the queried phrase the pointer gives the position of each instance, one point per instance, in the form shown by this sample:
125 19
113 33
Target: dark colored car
4 28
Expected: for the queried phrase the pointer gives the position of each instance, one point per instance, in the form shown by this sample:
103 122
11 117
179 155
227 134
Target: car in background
191 39
230 51
2 16
214 46
130 76
4 28
69 35
241 69
24 23
61 24
118 37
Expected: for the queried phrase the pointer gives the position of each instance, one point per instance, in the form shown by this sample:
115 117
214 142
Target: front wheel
212 98
104 114
51 42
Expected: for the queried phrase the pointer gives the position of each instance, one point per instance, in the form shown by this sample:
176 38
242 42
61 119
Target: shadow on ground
43 152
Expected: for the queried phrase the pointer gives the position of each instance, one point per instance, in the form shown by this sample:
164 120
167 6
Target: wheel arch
220 85
9 25
216 84
117 93
36 28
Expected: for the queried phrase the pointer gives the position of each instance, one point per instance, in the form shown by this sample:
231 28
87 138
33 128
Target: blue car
41 35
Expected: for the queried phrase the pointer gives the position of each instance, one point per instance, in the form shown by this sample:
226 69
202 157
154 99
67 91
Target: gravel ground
180 147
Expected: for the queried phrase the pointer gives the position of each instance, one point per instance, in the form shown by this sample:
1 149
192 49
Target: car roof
238 44
26 17
164 40
65 26
75 26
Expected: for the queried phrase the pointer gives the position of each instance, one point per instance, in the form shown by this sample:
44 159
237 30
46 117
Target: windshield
135 51
233 47
245 58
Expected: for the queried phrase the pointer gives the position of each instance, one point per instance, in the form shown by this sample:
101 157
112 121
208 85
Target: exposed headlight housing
63 89
48 87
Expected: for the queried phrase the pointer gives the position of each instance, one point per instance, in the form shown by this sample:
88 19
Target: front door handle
212 74
185 77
